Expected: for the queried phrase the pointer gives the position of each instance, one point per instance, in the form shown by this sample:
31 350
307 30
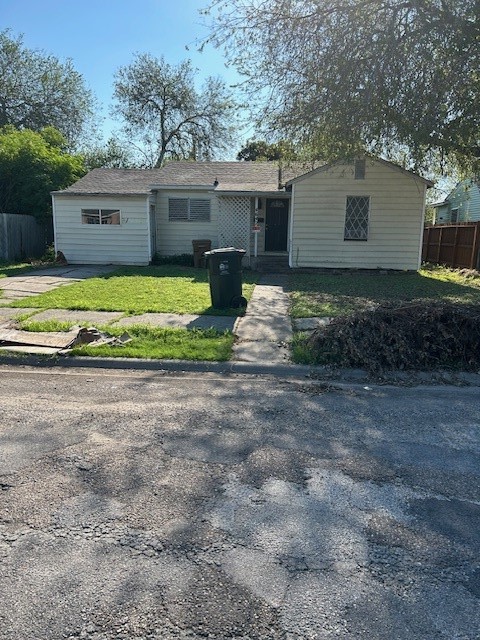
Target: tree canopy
32 164
37 90
161 107
349 74
262 150
115 154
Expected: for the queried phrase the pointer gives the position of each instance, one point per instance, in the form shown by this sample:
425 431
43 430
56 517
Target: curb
313 373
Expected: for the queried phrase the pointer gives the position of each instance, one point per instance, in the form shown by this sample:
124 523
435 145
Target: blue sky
99 36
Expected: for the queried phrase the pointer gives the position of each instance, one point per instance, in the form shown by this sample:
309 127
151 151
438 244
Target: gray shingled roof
231 176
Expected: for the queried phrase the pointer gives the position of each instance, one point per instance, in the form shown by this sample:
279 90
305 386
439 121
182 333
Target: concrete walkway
33 283
266 330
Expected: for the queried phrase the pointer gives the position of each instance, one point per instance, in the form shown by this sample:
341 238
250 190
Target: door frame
286 224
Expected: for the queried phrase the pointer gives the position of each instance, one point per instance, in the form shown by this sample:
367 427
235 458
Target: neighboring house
367 213
461 205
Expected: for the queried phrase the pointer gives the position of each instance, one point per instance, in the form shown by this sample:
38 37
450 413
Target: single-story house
367 213
461 205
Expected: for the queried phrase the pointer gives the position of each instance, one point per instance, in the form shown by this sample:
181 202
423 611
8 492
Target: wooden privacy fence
21 237
455 245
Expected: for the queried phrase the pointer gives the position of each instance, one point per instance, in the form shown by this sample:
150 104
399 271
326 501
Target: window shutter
199 209
178 209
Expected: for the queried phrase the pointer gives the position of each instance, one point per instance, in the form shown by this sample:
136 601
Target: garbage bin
199 248
225 276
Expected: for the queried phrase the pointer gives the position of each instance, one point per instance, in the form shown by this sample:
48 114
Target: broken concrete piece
60 342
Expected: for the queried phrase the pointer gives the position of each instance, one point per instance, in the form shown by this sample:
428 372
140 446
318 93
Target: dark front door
276 224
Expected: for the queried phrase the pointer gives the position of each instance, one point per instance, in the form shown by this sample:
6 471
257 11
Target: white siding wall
175 238
127 243
395 221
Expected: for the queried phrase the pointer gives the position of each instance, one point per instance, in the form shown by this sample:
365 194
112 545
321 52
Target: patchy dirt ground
139 505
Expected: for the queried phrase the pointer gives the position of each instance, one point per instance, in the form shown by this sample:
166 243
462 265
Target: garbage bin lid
225 250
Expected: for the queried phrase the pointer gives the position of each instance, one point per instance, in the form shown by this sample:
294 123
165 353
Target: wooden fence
21 237
454 245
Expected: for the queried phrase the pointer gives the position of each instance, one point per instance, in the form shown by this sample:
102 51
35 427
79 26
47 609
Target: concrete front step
271 264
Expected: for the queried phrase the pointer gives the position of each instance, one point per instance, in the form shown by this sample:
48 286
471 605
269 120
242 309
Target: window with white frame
189 209
100 216
454 215
356 218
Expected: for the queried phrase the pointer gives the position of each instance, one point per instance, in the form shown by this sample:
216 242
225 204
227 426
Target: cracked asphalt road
137 505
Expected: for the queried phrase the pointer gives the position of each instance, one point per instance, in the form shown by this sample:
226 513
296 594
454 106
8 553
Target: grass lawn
336 295
136 290
151 343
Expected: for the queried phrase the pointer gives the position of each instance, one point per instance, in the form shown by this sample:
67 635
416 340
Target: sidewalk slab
271 329
78 317
7 313
261 352
186 321
310 324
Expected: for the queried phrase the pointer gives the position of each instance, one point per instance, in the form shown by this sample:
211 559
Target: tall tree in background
160 105
32 164
262 150
349 74
37 90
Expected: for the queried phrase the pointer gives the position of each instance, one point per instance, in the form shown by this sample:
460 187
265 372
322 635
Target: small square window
356 218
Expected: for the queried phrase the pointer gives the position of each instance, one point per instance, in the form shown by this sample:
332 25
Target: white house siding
175 238
127 243
395 219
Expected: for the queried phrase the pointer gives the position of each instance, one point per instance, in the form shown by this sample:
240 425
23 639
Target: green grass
136 290
336 295
151 343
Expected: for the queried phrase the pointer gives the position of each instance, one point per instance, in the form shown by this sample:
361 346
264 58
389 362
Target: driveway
151 506
32 283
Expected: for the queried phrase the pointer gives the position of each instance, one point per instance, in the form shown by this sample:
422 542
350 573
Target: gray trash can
225 277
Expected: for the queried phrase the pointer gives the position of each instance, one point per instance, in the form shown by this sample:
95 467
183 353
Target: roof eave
107 194
253 194
183 187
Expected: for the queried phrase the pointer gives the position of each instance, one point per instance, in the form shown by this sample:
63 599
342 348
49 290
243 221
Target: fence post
427 245
455 242
440 237
474 258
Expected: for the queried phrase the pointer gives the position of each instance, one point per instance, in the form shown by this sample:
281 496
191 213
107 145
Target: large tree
349 74
262 150
162 108
38 90
32 164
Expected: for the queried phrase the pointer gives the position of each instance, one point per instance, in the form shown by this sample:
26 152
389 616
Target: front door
276 224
